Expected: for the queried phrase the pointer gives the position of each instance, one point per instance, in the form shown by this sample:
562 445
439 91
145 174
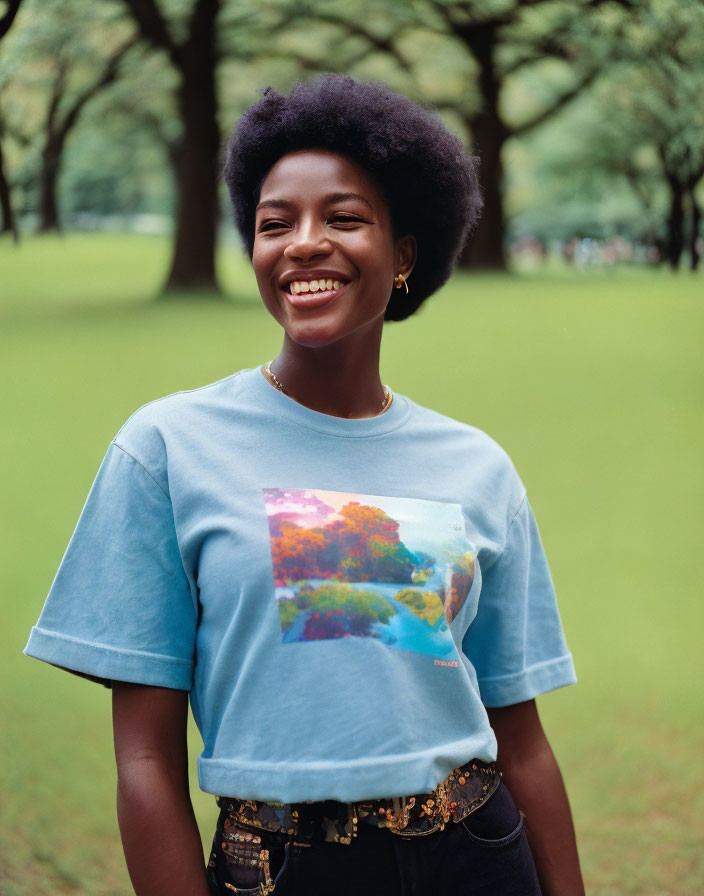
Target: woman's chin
311 336
327 329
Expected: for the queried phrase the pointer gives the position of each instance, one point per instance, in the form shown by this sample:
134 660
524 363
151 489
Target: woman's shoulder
477 458
467 434
145 434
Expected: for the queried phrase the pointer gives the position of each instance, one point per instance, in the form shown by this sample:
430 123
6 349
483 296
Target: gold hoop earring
399 281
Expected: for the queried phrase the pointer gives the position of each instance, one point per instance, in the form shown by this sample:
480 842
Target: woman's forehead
319 173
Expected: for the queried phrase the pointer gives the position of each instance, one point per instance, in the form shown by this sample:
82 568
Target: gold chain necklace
388 394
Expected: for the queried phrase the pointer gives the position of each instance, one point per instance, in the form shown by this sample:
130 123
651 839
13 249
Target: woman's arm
532 776
159 832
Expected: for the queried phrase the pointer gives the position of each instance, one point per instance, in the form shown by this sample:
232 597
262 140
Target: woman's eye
339 220
272 225
346 219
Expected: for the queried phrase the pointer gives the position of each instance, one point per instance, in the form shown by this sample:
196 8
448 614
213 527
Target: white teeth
298 286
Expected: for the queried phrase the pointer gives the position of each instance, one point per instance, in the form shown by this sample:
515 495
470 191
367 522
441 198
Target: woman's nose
307 241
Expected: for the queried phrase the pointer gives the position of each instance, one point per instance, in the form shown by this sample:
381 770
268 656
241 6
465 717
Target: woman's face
324 254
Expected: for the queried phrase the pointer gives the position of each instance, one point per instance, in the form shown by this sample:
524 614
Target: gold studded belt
464 790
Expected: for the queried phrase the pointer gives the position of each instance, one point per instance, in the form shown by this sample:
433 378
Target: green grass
593 384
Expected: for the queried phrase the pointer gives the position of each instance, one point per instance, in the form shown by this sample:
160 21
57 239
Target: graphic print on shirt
348 565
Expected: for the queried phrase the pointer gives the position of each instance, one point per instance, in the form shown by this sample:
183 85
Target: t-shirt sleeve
516 642
120 606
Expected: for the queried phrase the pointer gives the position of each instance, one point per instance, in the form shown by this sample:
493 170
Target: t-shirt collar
285 406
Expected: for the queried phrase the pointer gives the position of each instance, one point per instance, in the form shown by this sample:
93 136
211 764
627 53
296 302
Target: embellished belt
464 790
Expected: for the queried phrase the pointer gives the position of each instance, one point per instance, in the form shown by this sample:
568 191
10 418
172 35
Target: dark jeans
486 854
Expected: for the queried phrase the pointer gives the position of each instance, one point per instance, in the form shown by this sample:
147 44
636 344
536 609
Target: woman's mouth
313 293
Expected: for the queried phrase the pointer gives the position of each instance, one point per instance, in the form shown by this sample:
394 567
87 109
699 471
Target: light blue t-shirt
341 597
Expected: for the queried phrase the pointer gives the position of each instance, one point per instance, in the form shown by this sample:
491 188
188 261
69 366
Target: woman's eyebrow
331 197
344 197
274 203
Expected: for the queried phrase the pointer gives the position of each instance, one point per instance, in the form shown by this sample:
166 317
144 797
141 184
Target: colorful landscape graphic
345 565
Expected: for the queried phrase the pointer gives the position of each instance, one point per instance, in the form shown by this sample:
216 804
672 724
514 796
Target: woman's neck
334 379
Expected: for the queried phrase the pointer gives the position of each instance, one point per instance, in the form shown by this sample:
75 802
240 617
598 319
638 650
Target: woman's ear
405 252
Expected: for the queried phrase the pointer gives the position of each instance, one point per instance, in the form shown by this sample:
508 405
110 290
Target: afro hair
429 180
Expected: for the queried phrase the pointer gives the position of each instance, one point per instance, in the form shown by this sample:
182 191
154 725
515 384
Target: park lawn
591 382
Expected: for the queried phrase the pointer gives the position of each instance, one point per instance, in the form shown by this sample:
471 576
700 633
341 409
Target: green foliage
335 610
48 63
593 170
391 561
426 605
352 601
303 597
603 167
461 561
362 546
288 611
420 576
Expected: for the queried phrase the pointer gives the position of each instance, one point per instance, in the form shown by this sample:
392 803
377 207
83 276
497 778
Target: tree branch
57 93
559 103
9 16
155 124
153 28
593 4
306 64
694 179
202 22
107 77
20 138
626 4
382 44
634 181
554 45
470 21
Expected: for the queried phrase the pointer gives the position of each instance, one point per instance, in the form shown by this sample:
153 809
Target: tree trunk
8 222
8 16
193 261
674 246
48 181
694 254
485 249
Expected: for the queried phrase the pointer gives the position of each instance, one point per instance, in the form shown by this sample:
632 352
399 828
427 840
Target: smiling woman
384 192
307 235
351 587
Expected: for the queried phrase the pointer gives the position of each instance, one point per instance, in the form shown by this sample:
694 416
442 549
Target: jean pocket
495 823
506 840
246 861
